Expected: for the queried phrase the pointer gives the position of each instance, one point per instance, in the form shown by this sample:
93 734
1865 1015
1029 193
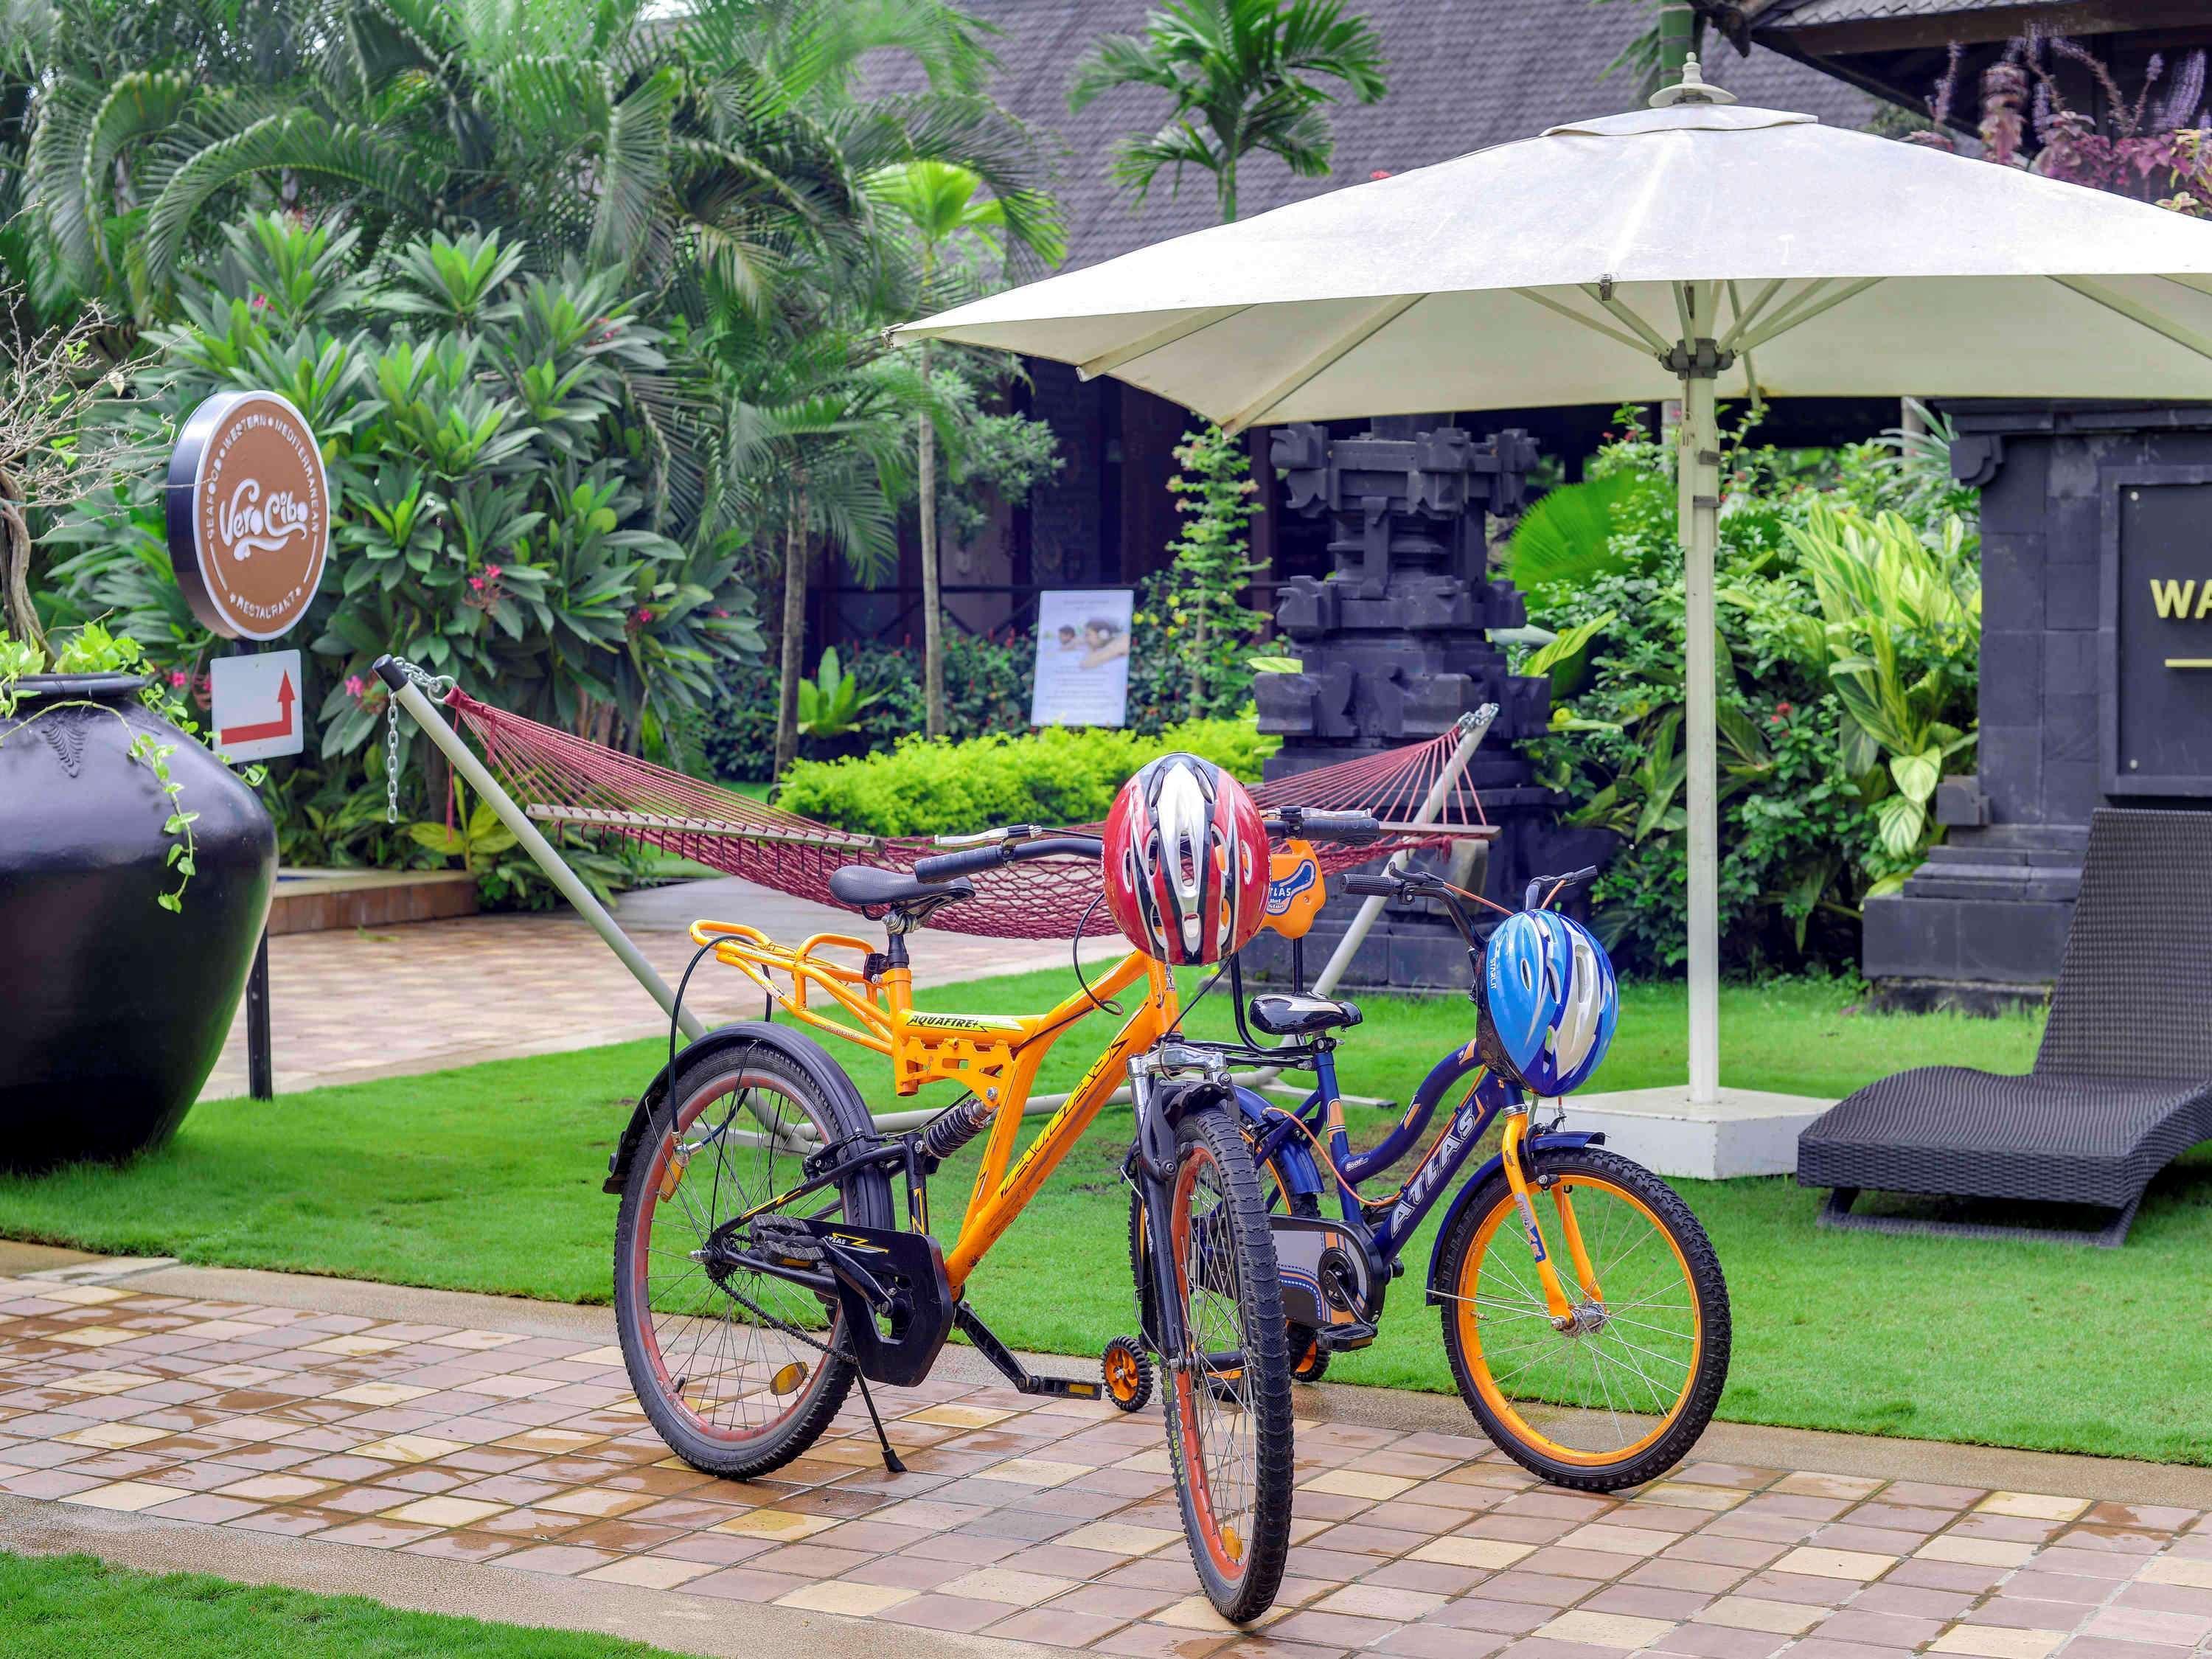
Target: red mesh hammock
562 779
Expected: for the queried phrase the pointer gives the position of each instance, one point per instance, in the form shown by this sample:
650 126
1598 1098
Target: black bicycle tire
1267 1354
866 1196
1707 1280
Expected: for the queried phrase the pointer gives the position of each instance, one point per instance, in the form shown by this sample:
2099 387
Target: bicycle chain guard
1327 1287
897 1302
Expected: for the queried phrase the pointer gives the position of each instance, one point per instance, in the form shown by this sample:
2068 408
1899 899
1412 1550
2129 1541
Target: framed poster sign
1082 658
2156 633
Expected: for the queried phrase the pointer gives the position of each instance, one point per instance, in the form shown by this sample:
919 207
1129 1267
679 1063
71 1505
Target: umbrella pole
1698 485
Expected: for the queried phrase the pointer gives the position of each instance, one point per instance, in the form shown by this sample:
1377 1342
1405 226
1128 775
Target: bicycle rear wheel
715 1361
1619 1395
1228 1395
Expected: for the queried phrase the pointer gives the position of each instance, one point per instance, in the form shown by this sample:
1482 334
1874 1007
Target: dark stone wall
1990 908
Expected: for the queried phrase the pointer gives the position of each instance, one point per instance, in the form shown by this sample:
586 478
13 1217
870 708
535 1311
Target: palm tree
813 449
1244 76
939 203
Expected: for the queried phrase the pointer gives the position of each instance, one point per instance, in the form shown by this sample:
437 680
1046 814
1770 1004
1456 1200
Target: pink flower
718 611
644 614
491 572
260 302
477 582
178 678
354 685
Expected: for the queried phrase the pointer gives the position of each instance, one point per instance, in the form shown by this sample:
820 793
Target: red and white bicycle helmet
1186 862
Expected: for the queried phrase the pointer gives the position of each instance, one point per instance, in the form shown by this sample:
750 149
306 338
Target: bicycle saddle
869 890
1280 1015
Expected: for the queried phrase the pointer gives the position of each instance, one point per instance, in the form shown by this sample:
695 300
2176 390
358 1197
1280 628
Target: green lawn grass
72 1606
487 1179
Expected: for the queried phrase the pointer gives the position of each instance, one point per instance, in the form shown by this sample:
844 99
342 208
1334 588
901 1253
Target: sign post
248 515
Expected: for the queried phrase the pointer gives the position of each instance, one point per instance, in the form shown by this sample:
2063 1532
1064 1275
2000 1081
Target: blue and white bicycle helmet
1547 1003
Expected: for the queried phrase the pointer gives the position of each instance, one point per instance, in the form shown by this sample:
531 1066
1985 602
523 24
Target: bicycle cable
1075 956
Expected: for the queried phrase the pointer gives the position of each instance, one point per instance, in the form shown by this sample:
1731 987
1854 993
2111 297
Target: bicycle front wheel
1619 1392
1228 1395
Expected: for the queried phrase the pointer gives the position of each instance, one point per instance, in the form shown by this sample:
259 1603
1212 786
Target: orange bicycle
760 1268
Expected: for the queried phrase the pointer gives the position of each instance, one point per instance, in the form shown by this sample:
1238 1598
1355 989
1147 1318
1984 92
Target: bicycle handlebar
944 866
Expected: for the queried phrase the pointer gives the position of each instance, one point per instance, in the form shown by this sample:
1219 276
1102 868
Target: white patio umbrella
1681 250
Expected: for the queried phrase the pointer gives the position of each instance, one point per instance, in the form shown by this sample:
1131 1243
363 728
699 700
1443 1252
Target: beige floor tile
1860 1564
1456 1552
598 1501
356 1346
103 1381
115 1436
478 1341
94 1336
253 1428
1618 1540
1020 1589
1374 1601
1998 1642
1359 1483
1119 1538
2178 1569
378 1394
78 1295
1034 1471
1755 1612
274 1488
837 1596
1196 1613
2033 1505
653 1571
783 1525
958 1417
128 1496
445 1511
566 1440
409 1448
1606 1630
1975 1552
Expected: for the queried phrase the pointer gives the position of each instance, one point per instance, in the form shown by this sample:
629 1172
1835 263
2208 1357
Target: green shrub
1848 589
1059 775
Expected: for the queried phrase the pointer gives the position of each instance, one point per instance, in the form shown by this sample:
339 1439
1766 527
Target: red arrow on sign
279 727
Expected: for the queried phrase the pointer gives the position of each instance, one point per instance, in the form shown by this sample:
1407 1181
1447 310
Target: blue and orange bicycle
1585 1315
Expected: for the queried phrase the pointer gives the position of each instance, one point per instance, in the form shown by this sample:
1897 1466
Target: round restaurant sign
249 515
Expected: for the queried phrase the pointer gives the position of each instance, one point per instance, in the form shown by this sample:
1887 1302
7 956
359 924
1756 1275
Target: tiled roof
1804 14
1463 74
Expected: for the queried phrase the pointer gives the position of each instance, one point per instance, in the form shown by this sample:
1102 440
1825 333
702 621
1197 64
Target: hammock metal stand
523 822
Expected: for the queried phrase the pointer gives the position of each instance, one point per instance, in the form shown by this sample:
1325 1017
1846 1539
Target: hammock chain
436 685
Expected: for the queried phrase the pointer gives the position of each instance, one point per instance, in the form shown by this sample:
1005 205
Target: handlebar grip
943 866
1353 829
1370 887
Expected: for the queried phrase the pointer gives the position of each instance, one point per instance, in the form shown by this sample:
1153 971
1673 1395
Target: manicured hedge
1054 776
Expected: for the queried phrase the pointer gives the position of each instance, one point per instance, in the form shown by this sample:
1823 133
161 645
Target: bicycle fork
1521 1176
1153 1159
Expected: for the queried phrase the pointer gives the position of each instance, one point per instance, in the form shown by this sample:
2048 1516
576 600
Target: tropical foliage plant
491 482
1848 635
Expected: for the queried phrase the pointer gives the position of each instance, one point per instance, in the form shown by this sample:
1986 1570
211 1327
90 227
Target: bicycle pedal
1344 1337
1061 1388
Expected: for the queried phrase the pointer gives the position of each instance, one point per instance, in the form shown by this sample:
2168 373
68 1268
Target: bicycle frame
995 1056
1286 1140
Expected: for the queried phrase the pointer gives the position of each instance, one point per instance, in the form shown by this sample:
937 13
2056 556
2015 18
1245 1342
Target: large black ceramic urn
114 1009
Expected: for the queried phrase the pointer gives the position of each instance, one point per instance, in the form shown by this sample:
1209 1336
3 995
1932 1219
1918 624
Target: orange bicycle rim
1477 1363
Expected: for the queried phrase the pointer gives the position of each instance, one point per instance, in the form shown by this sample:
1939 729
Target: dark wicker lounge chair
2122 1086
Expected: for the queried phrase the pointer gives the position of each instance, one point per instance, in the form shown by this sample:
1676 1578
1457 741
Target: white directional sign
257 713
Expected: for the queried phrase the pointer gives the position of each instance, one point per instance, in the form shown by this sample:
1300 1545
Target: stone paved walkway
1050 1522
360 1003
